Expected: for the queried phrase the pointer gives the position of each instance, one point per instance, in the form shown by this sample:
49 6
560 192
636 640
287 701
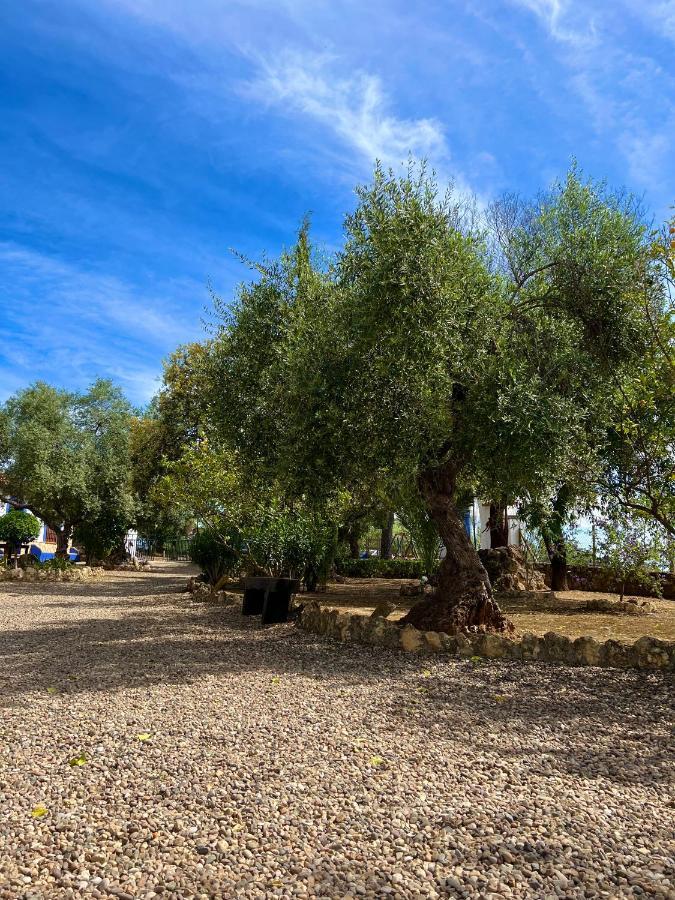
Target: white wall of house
481 515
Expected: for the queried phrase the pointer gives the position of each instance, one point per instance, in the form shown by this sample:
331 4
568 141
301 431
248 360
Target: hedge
373 567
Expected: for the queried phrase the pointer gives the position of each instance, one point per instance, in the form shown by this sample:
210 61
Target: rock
586 651
433 642
411 590
531 646
464 646
654 654
410 639
617 655
558 648
383 609
383 633
629 607
508 571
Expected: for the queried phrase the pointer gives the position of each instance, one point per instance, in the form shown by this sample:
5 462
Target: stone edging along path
35 573
376 631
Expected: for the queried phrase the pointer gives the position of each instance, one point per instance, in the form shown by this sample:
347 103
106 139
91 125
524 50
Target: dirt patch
566 613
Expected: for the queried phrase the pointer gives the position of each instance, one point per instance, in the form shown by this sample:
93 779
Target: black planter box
269 598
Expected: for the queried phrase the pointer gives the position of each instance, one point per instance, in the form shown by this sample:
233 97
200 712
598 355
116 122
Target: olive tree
579 264
429 363
66 456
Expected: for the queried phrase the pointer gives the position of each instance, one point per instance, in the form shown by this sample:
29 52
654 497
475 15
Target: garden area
424 644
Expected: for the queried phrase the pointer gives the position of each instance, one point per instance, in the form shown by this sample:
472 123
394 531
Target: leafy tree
67 456
639 461
630 552
176 419
18 527
439 363
578 268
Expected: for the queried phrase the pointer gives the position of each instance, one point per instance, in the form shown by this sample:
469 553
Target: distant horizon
142 140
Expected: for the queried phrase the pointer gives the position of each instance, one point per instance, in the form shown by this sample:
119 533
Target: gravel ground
272 763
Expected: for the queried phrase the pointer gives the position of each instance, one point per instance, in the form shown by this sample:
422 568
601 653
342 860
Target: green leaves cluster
18 527
66 456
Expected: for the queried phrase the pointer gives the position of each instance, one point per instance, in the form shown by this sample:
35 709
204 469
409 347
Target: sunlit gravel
221 759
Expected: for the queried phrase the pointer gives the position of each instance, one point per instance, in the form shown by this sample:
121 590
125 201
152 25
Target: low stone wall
595 578
31 574
377 631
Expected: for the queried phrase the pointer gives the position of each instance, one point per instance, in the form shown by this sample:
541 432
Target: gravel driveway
220 759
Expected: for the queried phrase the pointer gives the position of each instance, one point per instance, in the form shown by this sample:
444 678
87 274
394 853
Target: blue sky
142 139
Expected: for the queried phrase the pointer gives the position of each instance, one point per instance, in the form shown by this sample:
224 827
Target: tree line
522 354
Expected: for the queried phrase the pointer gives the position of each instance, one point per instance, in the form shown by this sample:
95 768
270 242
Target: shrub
373 567
297 543
213 556
57 564
18 527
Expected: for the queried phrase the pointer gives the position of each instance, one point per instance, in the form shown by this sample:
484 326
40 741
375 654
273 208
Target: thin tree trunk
559 569
353 539
554 539
387 538
499 523
463 599
63 536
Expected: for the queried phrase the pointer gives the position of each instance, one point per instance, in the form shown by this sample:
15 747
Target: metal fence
178 549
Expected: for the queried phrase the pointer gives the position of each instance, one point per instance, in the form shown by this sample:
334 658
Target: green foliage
373 567
246 517
102 535
431 358
639 460
295 541
56 564
213 557
18 527
629 551
422 529
67 455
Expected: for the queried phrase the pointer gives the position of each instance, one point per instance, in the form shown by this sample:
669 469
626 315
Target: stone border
377 631
33 575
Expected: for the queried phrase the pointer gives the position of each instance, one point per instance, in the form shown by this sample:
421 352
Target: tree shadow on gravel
161 637
587 722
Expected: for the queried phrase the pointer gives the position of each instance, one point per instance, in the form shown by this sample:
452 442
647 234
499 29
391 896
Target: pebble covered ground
153 746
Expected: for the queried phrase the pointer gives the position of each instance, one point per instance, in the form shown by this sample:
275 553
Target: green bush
297 543
18 527
57 564
213 557
373 567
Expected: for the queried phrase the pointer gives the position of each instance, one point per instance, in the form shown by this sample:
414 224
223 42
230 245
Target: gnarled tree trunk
463 599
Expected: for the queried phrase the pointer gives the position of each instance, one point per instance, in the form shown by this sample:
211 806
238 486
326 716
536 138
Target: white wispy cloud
66 324
563 20
627 94
354 108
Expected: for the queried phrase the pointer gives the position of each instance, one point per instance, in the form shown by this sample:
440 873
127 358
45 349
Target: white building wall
482 514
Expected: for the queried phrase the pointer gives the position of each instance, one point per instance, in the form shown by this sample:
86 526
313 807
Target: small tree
66 455
18 527
630 553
